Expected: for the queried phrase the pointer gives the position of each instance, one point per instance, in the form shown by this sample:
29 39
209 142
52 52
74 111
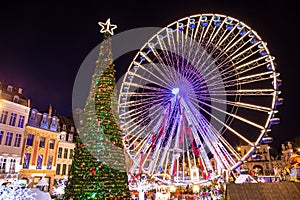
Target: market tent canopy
245 178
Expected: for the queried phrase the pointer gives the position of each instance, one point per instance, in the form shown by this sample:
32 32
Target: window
8 138
21 121
39 161
64 169
1 136
16 99
33 114
53 125
58 169
12 120
18 140
30 139
62 137
49 163
70 139
44 122
12 166
3 117
51 145
71 153
66 153
69 168
26 160
9 88
45 118
2 165
59 152
42 142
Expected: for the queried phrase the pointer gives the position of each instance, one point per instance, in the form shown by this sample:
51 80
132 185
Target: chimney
50 110
20 90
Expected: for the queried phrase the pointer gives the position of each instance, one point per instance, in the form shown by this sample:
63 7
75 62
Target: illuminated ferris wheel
194 91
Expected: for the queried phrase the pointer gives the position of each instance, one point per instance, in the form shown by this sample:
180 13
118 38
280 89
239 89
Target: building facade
260 162
14 111
40 148
66 147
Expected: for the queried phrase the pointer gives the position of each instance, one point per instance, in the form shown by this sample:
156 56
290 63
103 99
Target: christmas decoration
11 189
98 169
59 189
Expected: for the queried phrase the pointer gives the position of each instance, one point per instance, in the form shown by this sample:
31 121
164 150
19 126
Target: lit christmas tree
98 169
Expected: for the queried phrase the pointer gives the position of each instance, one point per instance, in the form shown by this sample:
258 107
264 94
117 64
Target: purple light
175 91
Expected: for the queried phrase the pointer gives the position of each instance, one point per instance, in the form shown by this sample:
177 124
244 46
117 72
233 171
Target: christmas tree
98 170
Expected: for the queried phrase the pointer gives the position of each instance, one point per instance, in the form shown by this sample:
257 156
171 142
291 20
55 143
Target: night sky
42 45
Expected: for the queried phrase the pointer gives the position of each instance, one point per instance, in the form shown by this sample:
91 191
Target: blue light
253 41
204 24
217 24
192 26
175 90
229 27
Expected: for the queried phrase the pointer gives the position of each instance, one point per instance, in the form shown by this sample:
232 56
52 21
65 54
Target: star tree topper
107 27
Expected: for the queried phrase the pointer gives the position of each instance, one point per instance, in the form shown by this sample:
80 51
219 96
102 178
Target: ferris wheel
195 90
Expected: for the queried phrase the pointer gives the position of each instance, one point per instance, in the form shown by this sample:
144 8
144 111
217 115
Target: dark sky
42 44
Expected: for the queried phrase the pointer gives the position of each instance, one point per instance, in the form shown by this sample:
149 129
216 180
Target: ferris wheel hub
175 91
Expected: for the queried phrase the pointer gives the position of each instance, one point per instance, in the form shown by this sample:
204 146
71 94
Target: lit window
39 161
53 125
42 142
12 166
21 121
1 136
49 163
2 165
33 114
8 138
18 140
44 122
26 160
3 117
30 139
52 142
59 152
66 153
12 120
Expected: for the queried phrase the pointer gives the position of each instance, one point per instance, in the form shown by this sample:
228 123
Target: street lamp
196 189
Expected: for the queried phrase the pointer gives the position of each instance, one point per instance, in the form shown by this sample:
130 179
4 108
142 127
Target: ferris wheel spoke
232 115
193 120
165 51
242 92
238 104
235 43
168 72
229 59
243 80
225 125
230 74
213 136
161 83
